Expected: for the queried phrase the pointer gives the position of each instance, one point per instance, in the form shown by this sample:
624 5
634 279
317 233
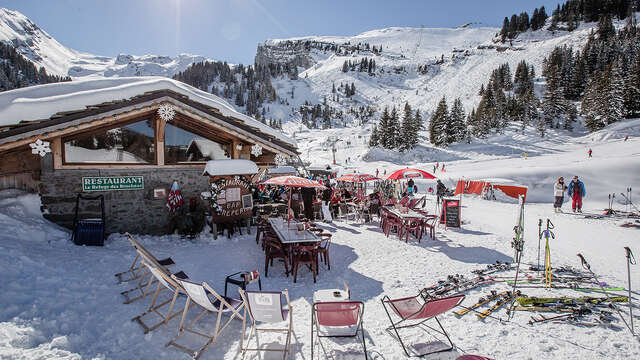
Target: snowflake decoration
40 147
280 160
256 150
166 112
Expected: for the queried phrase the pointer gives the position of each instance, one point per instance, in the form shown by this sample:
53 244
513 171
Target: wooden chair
274 249
203 296
265 307
323 249
165 282
145 280
306 255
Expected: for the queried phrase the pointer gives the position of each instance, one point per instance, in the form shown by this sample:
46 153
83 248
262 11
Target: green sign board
112 183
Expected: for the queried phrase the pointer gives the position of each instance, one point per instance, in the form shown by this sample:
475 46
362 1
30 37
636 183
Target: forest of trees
571 13
394 133
17 72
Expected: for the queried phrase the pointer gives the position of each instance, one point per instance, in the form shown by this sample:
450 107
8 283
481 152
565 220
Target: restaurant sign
112 183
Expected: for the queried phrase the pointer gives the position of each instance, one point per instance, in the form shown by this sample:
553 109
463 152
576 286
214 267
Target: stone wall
135 211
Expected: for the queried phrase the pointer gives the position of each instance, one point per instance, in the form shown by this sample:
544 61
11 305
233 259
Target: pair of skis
500 299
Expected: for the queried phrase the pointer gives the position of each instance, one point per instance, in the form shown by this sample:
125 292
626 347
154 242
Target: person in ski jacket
558 192
589 152
441 189
576 192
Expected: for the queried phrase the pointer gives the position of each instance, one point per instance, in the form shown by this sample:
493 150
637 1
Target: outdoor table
290 234
411 214
329 295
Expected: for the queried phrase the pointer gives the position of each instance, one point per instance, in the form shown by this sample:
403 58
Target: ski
525 301
482 301
459 286
502 301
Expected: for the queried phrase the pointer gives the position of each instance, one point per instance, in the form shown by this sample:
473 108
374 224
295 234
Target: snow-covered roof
209 149
282 170
43 101
230 167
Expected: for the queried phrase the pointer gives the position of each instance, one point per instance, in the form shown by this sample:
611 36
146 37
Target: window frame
108 127
192 130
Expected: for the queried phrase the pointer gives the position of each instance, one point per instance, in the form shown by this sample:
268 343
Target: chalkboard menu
450 212
230 198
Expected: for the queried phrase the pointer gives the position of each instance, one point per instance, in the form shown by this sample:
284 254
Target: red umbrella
410 173
357 178
291 182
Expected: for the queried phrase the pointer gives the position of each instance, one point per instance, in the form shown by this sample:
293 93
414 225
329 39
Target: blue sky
230 30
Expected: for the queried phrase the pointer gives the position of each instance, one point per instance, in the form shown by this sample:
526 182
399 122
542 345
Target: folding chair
165 281
137 269
337 319
414 312
266 307
210 302
142 288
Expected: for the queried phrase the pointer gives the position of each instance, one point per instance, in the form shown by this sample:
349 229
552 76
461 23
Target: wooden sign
231 198
450 212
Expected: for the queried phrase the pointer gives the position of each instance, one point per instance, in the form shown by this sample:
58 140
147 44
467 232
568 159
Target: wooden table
290 234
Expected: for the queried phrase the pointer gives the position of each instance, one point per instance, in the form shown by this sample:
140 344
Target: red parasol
291 182
410 174
357 178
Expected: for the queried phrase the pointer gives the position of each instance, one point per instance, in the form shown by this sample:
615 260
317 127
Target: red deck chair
413 311
338 319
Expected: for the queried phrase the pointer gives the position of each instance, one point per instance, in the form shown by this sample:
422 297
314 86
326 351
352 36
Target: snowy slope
36 45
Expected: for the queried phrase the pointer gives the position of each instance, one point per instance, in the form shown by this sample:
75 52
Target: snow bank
42 101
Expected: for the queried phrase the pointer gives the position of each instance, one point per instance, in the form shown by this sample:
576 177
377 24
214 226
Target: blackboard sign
450 212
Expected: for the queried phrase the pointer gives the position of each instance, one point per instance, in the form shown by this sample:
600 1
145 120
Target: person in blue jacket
576 192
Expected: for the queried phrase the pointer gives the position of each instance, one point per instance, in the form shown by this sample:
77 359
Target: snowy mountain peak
42 49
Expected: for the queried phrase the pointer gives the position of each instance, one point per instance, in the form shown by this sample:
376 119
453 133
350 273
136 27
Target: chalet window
131 143
184 146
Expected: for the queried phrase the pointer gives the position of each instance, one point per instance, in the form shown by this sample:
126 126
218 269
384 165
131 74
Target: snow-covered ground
62 301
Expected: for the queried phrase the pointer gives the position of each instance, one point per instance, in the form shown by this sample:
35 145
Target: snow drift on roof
230 167
43 101
282 170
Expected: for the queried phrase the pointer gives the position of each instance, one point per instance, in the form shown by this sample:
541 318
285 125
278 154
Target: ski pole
539 238
631 260
547 253
586 265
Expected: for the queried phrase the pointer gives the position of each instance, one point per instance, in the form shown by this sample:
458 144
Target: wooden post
234 151
160 125
56 149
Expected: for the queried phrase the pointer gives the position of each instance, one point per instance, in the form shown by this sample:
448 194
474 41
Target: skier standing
558 191
576 193
589 152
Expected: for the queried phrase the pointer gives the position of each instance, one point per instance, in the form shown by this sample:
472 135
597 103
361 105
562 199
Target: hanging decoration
166 112
281 160
256 150
174 199
40 147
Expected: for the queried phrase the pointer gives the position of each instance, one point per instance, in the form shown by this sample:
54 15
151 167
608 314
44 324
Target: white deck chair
165 282
266 307
210 302
145 280
137 269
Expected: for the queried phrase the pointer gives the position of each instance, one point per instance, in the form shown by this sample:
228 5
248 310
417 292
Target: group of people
575 190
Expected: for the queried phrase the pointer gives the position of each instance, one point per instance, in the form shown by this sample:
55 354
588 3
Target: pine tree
457 121
374 140
553 103
394 129
632 90
438 124
409 136
383 129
